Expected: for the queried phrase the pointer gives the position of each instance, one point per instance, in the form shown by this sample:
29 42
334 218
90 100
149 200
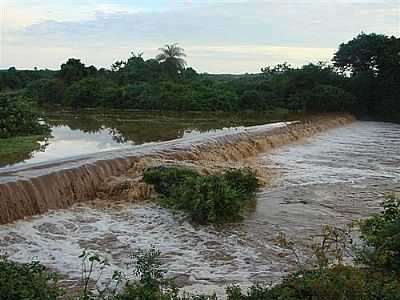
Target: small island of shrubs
216 198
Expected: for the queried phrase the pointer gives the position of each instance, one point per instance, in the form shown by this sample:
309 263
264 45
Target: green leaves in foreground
381 236
326 277
27 281
217 198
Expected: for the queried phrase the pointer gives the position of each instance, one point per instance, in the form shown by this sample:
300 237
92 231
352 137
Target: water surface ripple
332 178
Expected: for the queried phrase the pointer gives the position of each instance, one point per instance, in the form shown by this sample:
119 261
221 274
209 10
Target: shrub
324 276
151 283
206 198
338 282
27 281
166 179
381 237
46 91
91 91
19 117
243 180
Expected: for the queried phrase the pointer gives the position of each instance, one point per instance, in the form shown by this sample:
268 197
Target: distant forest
363 78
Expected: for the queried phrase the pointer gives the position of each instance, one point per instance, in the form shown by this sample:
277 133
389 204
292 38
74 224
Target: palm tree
172 57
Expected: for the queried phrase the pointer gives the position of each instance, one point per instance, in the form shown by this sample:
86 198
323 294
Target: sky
219 36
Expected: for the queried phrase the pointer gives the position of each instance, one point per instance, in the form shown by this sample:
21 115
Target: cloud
223 36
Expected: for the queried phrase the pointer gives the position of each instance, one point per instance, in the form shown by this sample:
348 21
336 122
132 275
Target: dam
329 170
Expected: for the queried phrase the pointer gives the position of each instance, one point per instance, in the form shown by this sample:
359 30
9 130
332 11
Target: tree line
364 78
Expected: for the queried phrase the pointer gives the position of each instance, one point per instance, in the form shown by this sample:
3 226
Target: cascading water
37 189
334 177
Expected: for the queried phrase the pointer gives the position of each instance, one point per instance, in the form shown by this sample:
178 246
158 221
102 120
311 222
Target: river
331 178
77 133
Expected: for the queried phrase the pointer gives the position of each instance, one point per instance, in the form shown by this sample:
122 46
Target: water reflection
13 158
141 127
91 131
320 183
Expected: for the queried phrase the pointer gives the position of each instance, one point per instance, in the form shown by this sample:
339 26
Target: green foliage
381 237
364 79
243 180
373 62
91 91
337 282
167 179
13 79
324 98
73 70
30 281
364 53
324 275
18 116
172 59
150 285
205 198
46 91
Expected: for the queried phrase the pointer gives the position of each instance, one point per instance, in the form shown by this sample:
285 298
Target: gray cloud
292 25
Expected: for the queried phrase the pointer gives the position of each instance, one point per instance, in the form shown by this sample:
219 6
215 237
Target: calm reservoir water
332 178
93 131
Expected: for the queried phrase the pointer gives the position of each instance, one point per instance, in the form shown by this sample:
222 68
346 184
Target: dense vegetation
21 128
19 116
325 276
217 198
364 79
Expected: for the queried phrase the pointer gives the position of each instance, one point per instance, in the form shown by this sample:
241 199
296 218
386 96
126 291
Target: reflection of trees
141 127
13 158
83 122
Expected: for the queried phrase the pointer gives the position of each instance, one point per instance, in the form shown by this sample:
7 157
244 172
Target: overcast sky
219 36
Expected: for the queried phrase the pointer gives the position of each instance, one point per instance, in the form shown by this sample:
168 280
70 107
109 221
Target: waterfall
33 190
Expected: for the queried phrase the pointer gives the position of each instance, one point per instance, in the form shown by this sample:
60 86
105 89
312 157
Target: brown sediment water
28 191
331 178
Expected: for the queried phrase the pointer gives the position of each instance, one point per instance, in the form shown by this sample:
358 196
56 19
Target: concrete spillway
35 189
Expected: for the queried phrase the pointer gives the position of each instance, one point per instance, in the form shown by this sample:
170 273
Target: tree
19 117
73 70
373 62
367 53
277 69
172 58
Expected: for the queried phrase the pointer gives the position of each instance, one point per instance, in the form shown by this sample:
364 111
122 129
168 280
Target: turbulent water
332 178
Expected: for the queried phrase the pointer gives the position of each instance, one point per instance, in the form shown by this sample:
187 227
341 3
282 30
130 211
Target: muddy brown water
333 177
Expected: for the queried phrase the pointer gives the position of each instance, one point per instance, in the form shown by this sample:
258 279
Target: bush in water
206 198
